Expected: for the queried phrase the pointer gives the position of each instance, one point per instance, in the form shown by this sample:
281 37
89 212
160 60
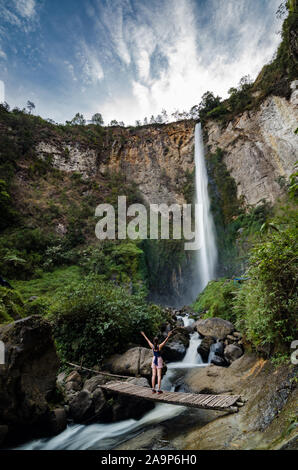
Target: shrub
216 300
96 319
11 305
266 306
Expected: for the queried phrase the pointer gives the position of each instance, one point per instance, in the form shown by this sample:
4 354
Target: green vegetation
11 305
235 223
96 319
217 300
266 306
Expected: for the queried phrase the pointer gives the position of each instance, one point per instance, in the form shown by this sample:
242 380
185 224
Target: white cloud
26 8
235 42
2 91
92 71
3 55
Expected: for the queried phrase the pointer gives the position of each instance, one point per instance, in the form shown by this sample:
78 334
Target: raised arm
167 339
149 342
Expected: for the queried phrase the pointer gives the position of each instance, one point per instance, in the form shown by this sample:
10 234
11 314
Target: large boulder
136 361
219 361
81 407
216 327
232 352
204 347
28 377
175 349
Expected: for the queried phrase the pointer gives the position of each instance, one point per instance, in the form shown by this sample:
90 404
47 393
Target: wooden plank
216 402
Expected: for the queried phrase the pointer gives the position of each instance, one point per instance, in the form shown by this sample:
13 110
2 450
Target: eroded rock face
260 147
271 397
155 157
28 378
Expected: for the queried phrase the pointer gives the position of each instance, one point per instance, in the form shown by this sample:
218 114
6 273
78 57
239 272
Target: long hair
155 342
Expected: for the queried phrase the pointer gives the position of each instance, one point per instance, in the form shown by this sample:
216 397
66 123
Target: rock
216 327
74 377
81 407
72 386
237 334
265 350
175 348
231 338
57 421
61 378
28 379
140 381
232 352
96 381
252 139
218 348
204 347
125 407
219 361
135 361
3 432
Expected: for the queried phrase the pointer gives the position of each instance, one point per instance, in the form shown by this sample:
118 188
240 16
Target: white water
106 436
207 254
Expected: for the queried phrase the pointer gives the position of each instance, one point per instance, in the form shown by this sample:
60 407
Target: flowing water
205 233
107 436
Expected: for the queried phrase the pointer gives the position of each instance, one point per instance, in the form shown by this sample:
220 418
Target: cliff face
260 147
154 157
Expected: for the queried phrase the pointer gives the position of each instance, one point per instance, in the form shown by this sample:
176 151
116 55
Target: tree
78 120
30 106
209 102
165 117
175 115
97 119
152 120
138 123
194 112
114 123
145 121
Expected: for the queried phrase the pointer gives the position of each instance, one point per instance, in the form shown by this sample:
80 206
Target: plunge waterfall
205 233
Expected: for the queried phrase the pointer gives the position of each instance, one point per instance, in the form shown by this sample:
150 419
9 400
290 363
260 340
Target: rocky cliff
260 147
154 157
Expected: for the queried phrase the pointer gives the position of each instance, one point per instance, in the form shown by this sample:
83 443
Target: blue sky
128 59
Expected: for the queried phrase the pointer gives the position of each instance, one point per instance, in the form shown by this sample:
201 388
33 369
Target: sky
128 59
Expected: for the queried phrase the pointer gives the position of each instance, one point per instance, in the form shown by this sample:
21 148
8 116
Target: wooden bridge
195 400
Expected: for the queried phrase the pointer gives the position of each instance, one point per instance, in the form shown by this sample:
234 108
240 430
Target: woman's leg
159 371
153 377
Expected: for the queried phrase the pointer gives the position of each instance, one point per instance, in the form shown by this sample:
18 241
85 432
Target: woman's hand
142 333
170 333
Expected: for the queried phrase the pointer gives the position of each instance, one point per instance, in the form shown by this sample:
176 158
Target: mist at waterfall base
102 436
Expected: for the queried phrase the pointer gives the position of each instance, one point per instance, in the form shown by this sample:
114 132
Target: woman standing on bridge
157 362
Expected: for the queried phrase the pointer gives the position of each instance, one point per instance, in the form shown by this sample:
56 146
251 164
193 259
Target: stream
102 436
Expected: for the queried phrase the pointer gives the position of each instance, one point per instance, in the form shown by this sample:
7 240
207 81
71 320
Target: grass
49 284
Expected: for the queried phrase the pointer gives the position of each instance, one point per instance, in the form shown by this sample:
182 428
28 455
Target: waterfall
207 254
